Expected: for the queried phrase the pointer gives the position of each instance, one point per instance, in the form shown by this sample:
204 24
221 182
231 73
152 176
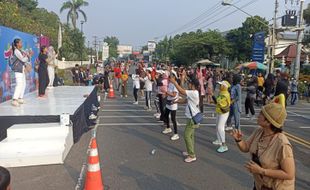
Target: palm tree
74 7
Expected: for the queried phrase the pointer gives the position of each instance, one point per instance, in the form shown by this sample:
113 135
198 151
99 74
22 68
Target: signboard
124 49
151 46
7 78
258 51
105 51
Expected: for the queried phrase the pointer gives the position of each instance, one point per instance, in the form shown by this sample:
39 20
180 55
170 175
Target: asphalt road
126 136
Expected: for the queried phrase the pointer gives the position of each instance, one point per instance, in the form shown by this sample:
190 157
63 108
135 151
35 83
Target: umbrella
253 65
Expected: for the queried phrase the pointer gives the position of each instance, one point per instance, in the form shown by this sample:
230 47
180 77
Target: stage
62 99
32 133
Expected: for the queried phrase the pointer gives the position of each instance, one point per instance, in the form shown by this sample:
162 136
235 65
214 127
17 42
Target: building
124 50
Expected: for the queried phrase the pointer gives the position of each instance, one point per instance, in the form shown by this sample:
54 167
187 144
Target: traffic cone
111 91
93 177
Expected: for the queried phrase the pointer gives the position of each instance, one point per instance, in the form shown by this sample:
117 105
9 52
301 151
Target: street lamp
82 22
271 61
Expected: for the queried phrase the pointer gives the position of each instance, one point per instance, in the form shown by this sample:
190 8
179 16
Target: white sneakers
217 142
167 131
222 149
190 159
175 137
135 103
15 103
21 101
229 128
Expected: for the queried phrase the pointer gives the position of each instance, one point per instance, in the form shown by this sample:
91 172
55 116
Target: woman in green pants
192 108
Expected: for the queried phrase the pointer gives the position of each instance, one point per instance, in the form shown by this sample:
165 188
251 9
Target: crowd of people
272 163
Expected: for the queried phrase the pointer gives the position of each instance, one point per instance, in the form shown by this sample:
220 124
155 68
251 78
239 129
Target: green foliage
188 48
40 21
277 63
241 38
113 43
74 9
307 14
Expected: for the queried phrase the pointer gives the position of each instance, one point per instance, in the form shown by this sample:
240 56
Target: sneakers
217 142
149 109
222 149
92 116
158 116
190 159
175 137
21 101
15 103
253 117
185 154
126 96
247 116
121 96
229 128
167 130
135 103
146 108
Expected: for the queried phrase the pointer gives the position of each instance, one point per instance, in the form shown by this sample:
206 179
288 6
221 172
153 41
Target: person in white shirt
136 87
192 108
148 90
171 108
52 56
19 71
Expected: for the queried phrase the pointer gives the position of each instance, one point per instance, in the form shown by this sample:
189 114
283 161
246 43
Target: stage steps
36 144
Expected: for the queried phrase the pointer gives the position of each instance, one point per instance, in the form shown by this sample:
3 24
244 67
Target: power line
207 12
215 21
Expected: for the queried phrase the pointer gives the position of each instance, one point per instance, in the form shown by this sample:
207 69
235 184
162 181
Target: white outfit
148 83
171 89
220 126
20 77
192 102
136 81
51 74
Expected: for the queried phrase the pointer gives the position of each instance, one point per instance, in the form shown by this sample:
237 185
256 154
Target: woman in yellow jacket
222 110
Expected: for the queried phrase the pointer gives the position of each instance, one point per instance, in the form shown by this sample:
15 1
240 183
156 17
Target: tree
74 7
307 14
241 40
113 43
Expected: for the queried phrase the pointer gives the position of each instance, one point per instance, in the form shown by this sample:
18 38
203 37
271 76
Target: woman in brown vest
272 163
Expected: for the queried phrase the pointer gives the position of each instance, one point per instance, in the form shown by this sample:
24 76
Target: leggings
156 102
162 105
173 119
249 105
135 93
148 98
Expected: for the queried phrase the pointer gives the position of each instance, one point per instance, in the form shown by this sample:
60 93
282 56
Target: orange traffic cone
111 91
93 176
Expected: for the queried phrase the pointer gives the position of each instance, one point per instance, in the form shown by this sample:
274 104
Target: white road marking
295 114
158 124
304 127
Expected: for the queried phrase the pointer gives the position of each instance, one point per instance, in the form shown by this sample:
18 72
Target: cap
225 83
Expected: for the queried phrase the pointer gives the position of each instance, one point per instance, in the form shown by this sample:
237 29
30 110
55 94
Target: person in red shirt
117 76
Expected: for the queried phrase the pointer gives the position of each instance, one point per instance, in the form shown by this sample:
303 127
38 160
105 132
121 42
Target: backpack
13 60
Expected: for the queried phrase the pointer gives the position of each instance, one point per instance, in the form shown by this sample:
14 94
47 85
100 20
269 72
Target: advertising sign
151 45
258 51
7 78
105 51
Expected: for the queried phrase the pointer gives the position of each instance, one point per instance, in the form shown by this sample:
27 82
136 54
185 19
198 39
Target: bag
198 118
13 61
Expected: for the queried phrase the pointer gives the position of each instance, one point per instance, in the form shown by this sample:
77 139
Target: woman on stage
42 72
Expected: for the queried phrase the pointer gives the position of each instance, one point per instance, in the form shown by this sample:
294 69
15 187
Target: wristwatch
238 140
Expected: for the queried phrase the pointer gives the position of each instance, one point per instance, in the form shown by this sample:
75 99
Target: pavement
127 135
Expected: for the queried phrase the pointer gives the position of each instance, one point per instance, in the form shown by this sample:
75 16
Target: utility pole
299 40
95 45
274 36
82 22
269 58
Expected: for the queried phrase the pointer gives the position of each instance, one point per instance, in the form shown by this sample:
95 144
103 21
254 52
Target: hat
224 83
275 114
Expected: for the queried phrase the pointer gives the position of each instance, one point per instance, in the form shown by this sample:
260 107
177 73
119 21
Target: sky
135 22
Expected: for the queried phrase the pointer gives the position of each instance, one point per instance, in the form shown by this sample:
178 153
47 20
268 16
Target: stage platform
32 134
64 99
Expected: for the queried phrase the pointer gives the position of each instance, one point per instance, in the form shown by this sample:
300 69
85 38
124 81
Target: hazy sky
137 21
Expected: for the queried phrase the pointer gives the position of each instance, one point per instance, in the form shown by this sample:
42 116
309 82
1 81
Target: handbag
198 118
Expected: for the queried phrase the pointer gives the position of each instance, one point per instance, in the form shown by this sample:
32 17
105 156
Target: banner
7 78
258 51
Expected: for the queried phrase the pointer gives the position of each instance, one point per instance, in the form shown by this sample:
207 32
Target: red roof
290 53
